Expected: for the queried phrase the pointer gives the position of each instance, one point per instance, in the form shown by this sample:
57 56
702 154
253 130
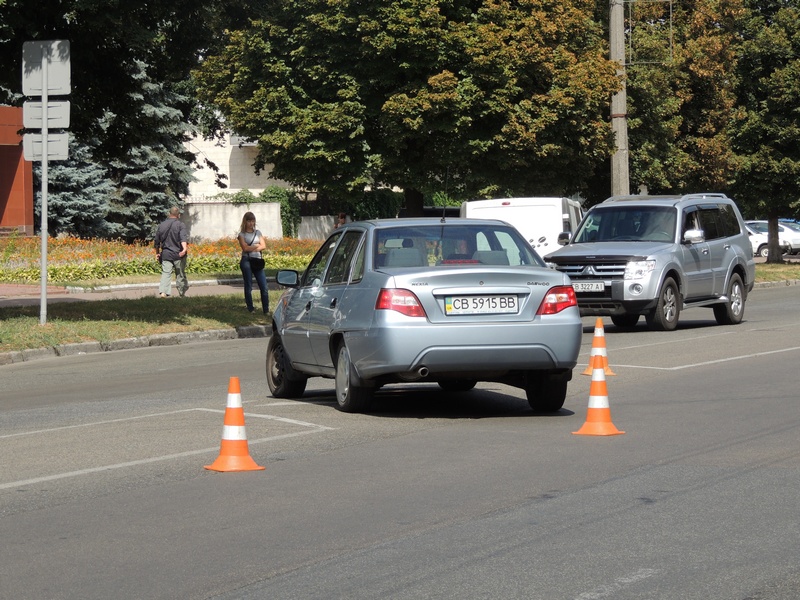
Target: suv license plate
479 305
588 286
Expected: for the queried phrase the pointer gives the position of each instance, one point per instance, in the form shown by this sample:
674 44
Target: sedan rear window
438 245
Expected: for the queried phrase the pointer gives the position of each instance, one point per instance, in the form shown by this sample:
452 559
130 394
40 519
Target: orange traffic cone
598 417
599 349
233 452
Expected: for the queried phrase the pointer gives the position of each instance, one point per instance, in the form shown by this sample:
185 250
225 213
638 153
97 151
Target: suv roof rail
677 197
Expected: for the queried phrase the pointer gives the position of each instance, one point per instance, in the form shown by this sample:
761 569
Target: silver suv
657 255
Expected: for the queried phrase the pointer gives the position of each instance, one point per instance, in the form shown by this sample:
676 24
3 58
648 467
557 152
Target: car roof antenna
444 204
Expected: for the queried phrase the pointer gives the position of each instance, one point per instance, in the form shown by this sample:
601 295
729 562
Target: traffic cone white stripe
233 432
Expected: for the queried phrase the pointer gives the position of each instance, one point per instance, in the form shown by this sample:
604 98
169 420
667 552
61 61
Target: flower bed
73 260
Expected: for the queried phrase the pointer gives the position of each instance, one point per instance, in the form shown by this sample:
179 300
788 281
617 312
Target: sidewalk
30 295
15 294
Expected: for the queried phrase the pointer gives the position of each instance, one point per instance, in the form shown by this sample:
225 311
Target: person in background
172 244
340 220
252 263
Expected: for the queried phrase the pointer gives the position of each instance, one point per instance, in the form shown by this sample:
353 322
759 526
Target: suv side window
689 221
728 220
709 223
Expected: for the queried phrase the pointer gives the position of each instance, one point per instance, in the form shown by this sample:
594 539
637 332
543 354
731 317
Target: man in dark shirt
171 243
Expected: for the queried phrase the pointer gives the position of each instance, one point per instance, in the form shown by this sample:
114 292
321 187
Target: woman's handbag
256 264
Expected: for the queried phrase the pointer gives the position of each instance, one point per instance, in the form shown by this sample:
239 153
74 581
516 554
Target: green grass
107 320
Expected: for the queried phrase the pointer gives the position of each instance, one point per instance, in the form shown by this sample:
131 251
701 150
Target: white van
540 220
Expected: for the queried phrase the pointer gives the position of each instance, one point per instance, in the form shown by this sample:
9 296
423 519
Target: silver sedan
452 301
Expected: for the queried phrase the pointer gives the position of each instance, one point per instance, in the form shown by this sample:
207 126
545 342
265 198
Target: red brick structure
16 176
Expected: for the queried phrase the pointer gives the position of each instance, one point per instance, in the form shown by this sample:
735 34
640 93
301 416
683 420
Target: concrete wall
217 220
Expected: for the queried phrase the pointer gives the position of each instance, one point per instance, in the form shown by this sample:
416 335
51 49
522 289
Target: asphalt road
103 493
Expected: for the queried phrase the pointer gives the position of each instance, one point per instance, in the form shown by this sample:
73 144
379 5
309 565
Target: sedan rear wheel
545 393
351 395
282 379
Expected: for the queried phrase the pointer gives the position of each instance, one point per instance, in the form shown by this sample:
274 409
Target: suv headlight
639 269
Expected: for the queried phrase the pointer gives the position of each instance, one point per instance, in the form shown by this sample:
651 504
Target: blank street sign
58 68
57 115
57 146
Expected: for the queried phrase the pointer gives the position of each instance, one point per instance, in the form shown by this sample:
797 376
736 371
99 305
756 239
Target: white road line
709 362
604 591
144 461
274 418
172 412
312 428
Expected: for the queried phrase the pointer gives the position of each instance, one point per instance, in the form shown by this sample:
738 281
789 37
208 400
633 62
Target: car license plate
480 305
588 286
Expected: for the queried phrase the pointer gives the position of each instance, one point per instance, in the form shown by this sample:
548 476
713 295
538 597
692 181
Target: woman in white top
252 262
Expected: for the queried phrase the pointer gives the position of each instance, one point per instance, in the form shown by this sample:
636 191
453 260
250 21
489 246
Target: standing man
172 244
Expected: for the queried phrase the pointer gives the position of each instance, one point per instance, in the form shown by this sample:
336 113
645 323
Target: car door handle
333 303
308 306
705 250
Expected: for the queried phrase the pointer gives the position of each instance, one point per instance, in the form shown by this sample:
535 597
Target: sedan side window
342 258
313 274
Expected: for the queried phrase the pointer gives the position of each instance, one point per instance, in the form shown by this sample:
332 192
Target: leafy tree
499 97
681 96
766 130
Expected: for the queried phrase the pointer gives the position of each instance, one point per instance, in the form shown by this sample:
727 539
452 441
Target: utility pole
620 181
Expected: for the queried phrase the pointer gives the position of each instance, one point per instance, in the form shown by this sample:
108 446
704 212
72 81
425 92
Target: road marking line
172 412
274 418
604 591
710 362
144 461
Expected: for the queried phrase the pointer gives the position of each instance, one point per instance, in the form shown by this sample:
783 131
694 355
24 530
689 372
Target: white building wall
233 160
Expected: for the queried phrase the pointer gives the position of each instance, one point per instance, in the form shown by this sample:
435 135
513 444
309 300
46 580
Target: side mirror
287 278
564 237
694 236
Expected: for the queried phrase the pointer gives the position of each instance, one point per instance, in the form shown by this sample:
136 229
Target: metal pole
620 181
45 130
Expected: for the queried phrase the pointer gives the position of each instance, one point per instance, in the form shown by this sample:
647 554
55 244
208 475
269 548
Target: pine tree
79 193
157 170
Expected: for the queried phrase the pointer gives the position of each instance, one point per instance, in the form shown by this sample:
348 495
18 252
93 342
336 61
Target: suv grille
605 271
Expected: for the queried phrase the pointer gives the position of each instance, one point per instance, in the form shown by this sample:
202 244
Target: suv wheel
665 316
732 311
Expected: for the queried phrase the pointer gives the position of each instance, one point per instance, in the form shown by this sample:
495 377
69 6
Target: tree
79 193
131 97
766 130
681 94
156 171
496 98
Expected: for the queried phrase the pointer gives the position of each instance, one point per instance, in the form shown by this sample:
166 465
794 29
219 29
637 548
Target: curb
159 339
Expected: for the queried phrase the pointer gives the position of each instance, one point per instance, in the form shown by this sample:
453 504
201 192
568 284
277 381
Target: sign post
45 71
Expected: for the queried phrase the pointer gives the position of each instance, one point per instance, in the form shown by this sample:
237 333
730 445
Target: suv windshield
628 223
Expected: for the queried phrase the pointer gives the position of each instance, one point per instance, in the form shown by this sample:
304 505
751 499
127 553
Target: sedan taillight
557 299
403 301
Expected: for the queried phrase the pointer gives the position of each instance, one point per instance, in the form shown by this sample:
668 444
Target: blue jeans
261 279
